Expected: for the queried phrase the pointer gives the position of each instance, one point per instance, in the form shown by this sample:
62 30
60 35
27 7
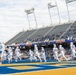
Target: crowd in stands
48 38
45 38
70 32
56 36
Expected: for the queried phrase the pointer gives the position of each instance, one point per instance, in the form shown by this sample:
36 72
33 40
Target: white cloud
13 18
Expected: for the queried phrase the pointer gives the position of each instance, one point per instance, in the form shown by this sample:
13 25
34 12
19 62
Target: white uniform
36 53
43 56
17 54
73 52
55 50
2 45
62 52
10 54
31 55
2 52
3 55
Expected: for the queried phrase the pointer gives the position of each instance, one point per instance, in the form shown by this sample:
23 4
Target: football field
36 68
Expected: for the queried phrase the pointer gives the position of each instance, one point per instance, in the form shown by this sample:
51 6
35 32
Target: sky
13 18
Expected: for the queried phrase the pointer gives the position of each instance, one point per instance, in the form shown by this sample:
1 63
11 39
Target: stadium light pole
49 13
58 13
27 12
52 6
69 1
31 11
35 18
68 11
28 22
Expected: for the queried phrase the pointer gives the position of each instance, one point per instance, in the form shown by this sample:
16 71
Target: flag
29 11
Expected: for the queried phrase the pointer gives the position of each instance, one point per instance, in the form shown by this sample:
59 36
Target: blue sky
13 19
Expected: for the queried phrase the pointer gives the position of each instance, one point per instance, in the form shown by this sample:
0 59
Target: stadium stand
21 37
16 36
58 30
42 34
70 32
39 34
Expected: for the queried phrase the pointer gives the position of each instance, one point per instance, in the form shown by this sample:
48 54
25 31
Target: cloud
14 19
